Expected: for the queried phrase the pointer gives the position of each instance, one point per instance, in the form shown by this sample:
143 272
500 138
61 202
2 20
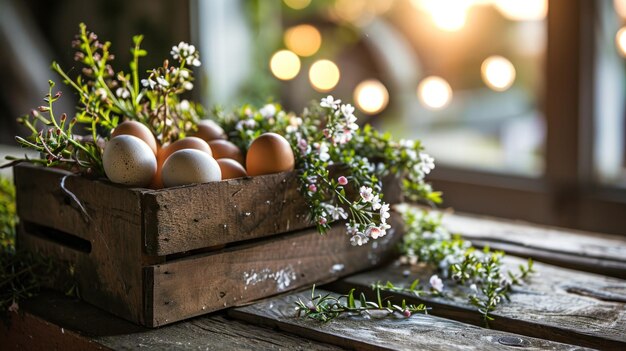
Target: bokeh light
620 7
448 15
523 10
371 96
285 65
620 41
303 39
297 4
324 75
498 73
434 92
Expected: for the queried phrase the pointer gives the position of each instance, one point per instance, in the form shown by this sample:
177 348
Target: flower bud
43 108
406 313
58 94
63 117
342 180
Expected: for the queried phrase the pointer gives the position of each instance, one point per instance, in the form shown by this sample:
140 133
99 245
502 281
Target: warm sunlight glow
324 75
498 73
297 4
620 7
434 92
303 39
285 65
448 15
620 40
371 96
523 10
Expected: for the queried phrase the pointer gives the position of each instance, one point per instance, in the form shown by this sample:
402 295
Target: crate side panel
110 276
212 214
194 286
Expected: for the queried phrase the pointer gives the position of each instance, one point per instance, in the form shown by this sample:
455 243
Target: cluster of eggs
133 157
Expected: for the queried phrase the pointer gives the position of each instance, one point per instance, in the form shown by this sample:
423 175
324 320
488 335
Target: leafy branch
324 308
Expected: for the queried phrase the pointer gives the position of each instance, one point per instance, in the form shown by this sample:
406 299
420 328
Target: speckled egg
166 151
269 153
231 169
128 160
138 130
190 166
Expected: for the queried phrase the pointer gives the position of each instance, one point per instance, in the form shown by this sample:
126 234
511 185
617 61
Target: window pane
610 90
464 76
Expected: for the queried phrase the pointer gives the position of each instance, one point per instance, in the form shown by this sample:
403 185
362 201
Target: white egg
189 166
129 160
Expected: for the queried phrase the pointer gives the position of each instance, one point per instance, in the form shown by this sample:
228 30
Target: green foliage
325 308
8 216
480 270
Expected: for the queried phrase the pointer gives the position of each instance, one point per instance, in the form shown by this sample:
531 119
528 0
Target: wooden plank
558 304
199 216
420 332
110 274
590 252
205 215
204 283
86 327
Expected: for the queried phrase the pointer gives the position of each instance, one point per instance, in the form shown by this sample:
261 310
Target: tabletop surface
576 300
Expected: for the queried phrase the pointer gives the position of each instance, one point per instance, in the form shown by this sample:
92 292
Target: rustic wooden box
156 257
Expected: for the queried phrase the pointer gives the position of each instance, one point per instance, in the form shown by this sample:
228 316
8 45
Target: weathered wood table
576 300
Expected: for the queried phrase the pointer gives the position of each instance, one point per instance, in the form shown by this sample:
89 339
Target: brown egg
226 149
138 130
209 130
166 151
231 168
269 153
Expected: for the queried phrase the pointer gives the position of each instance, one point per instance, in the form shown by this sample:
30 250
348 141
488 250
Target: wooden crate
156 257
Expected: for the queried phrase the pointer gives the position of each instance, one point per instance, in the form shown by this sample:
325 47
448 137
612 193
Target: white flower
184 105
474 288
250 123
323 152
268 111
330 102
407 143
352 229
436 283
348 112
374 232
428 163
188 85
376 203
162 81
184 74
383 228
148 83
358 239
337 212
122 93
196 62
366 193
384 213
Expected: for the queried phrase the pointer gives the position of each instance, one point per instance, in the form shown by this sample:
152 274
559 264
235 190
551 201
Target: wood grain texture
590 252
93 327
197 285
420 332
557 304
198 216
110 275
205 215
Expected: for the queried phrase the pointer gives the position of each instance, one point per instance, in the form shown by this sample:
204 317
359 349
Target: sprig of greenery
328 307
426 240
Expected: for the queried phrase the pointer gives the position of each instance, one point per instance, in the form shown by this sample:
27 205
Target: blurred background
521 102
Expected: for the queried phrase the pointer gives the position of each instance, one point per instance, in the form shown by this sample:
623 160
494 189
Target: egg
209 130
138 130
128 160
226 149
269 153
190 166
231 169
165 152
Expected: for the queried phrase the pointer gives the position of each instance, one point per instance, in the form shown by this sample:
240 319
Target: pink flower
322 220
436 283
342 180
312 188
